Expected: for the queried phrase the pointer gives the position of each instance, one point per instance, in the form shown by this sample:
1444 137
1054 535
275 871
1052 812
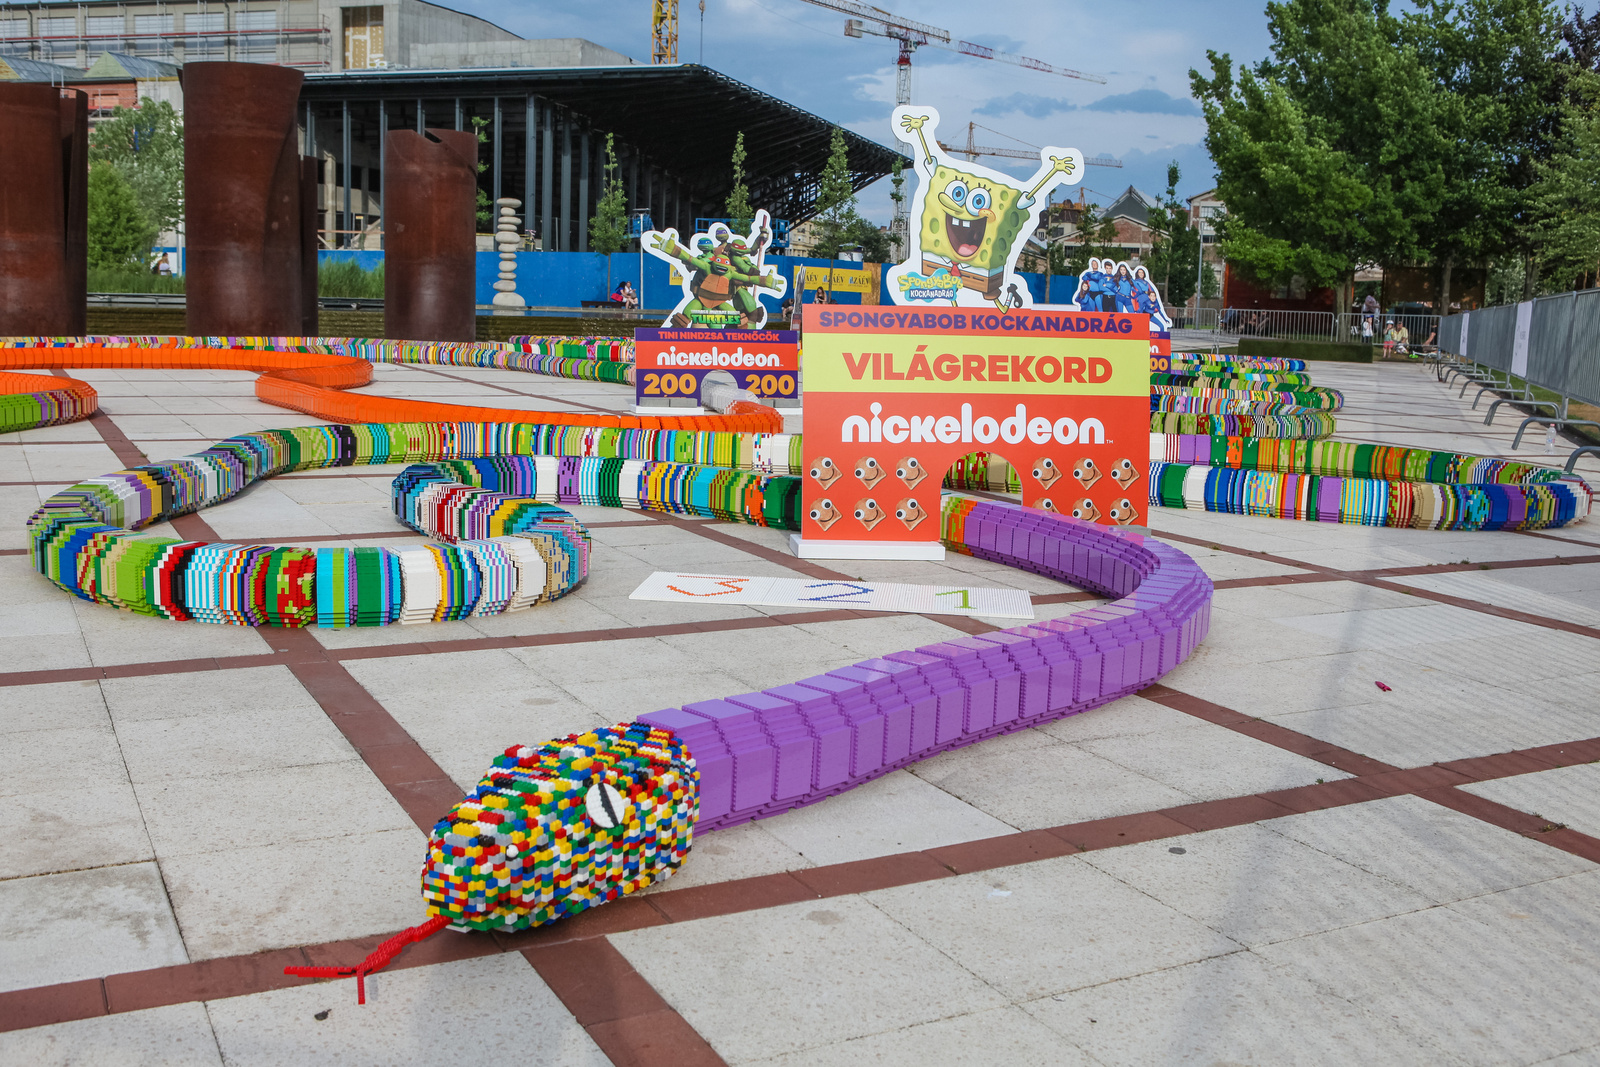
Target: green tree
738 204
1564 200
485 209
874 243
1329 153
897 181
608 229
1095 239
120 234
1176 249
145 144
1498 112
836 200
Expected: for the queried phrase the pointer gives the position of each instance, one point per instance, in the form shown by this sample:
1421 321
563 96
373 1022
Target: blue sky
1143 115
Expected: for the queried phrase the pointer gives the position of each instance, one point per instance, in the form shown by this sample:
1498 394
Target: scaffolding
246 31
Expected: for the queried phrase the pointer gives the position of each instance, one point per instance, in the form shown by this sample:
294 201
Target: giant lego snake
554 829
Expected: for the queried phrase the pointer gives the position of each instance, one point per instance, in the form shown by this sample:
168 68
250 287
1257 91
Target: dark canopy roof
684 117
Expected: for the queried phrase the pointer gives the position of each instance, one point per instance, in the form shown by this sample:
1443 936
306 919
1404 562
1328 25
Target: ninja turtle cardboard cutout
969 222
723 275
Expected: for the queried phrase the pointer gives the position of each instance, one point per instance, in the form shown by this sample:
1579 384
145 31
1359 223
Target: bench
600 303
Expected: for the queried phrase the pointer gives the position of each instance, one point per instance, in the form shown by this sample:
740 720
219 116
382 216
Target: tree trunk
1444 285
1530 277
1344 294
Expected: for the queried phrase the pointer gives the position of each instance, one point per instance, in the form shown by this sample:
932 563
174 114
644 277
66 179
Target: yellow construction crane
664 32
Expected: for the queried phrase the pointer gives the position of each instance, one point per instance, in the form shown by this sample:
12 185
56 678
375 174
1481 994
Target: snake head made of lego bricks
554 830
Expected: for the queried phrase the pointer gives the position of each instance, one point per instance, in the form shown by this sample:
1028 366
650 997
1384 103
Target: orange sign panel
895 395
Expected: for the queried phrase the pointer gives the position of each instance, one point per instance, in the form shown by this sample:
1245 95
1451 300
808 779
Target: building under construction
543 107
544 137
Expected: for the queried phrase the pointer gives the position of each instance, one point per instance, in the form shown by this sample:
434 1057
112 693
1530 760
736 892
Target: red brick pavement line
1542 535
422 648
160 667
619 1012
625 1015
1366 578
1437 782
110 434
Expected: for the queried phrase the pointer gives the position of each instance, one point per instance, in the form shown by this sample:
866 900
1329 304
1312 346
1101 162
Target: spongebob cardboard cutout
969 222
723 275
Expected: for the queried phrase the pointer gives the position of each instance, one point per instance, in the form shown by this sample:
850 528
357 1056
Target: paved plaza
1361 825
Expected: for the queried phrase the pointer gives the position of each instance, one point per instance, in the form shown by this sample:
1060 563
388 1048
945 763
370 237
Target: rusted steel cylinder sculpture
309 311
74 111
430 183
43 210
242 193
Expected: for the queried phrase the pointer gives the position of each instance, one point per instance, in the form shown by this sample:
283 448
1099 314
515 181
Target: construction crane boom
973 151
912 35
878 14
664 32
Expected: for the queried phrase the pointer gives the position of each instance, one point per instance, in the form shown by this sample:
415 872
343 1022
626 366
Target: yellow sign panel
845 279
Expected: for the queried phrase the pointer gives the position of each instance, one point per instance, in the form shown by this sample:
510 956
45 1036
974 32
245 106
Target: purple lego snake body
766 752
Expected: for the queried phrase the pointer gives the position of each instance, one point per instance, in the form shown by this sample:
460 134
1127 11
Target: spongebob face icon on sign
970 221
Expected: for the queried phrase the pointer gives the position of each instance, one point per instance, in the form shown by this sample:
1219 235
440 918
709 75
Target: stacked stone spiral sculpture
507 239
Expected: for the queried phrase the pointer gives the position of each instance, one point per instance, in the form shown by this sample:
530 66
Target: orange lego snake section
315 384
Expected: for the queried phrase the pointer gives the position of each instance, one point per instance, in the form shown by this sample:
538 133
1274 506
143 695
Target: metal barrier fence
1195 319
1420 329
1289 325
1551 343
1313 325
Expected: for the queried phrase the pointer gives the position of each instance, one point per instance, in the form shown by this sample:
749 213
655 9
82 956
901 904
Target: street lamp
847 248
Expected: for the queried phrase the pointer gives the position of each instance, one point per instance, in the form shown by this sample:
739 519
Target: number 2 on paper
855 590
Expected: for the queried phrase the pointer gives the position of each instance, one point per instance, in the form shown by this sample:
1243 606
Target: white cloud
799 53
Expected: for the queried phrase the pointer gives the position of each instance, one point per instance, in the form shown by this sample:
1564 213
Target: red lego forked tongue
377 960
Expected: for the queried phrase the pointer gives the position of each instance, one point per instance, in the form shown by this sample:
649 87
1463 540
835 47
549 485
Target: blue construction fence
566 279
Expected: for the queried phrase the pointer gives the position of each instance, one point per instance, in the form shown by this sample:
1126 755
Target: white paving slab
85 924
421 1015
1233 1009
1049 927
178 1035
750 985
1566 795
1440 853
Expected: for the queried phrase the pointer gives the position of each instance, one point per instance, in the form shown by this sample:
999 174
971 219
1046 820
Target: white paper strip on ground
698 587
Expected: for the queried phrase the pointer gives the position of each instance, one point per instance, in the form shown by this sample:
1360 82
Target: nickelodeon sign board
894 396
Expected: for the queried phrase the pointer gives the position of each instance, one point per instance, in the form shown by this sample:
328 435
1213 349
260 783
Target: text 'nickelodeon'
949 429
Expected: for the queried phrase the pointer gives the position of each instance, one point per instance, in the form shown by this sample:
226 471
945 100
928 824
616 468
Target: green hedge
1334 351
